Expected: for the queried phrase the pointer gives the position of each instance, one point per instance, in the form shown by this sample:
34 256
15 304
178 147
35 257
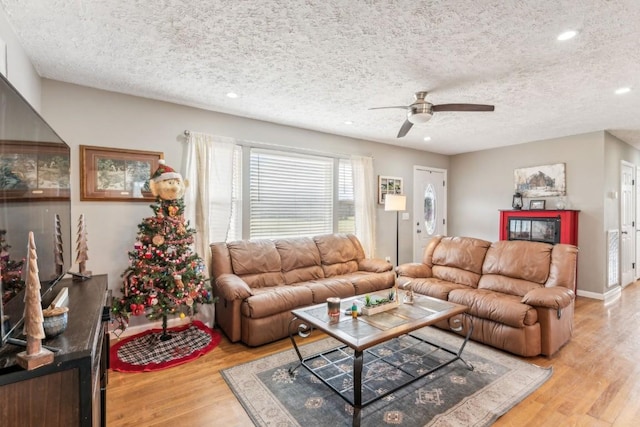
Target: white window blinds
346 208
290 194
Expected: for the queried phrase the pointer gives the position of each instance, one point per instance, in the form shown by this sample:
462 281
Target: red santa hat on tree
164 172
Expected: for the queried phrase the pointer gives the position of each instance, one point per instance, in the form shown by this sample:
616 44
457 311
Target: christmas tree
165 277
12 282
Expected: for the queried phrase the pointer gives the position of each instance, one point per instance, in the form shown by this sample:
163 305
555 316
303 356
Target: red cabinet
552 226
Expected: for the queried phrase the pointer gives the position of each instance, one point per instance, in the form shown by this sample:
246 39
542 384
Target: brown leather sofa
259 282
520 294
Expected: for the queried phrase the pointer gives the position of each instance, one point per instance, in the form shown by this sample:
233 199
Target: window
235 223
346 206
293 195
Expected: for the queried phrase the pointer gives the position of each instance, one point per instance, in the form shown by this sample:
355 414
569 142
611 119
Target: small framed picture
536 205
388 185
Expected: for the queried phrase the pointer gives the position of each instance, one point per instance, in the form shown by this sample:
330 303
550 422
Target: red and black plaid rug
145 352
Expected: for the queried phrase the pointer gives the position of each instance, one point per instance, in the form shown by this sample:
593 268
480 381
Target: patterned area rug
145 352
453 396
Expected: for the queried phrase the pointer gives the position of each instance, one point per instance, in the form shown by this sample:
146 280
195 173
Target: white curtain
209 173
364 194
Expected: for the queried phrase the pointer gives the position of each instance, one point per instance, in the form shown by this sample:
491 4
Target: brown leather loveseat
520 294
259 282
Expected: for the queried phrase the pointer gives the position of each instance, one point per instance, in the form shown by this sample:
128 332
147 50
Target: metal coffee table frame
381 328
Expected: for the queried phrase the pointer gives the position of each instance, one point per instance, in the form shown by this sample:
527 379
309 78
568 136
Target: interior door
627 224
429 206
637 227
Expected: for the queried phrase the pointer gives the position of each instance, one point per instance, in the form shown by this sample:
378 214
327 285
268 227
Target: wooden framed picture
536 205
108 174
541 181
34 170
388 185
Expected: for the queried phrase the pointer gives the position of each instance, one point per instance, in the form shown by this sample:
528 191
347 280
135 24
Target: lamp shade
395 202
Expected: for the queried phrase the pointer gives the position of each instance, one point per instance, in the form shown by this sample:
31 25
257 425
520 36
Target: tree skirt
145 352
451 397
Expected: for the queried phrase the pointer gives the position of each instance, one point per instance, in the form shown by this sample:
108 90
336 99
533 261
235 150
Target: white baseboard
612 295
592 295
132 330
608 297
206 314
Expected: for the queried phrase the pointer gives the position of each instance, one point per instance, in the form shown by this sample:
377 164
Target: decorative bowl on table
55 321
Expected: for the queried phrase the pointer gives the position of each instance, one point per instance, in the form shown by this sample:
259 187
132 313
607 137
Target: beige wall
481 183
84 116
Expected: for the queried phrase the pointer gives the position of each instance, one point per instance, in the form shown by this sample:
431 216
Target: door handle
624 232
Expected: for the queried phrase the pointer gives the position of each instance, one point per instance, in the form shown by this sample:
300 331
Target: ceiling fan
421 111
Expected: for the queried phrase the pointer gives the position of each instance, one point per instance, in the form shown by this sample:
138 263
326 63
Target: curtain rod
258 144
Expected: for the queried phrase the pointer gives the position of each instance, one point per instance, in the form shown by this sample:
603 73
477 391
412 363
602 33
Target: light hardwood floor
596 379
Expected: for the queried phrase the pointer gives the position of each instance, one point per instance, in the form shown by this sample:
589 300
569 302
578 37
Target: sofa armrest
414 269
557 297
374 265
231 287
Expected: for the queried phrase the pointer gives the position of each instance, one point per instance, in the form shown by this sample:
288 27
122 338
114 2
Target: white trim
132 330
608 297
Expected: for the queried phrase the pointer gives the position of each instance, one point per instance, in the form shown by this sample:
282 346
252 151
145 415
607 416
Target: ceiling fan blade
405 128
404 107
463 107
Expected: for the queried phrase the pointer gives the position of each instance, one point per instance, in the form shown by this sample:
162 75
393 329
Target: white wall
85 116
481 183
20 71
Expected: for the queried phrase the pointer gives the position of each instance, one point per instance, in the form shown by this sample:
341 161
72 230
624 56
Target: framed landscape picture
388 185
34 171
116 174
541 181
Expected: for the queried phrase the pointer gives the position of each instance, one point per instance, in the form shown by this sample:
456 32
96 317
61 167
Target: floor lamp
397 203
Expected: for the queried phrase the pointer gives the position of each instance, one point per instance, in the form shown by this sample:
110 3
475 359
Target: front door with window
429 207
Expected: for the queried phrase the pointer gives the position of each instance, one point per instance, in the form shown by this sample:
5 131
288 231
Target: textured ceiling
318 63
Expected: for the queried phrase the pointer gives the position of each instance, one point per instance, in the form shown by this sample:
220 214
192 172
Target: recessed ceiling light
427 138
622 90
232 95
348 122
567 35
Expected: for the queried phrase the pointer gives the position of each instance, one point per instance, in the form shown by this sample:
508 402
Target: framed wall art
30 170
388 185
108 174
541 181
536 205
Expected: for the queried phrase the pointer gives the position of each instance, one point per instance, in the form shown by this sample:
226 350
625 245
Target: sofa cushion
495 306
267 301
333 287
300 259
507 285
459 260
339 254
433 287
364 282
519 259
466 253
257 262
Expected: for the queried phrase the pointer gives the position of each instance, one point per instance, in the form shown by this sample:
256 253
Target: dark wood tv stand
72 390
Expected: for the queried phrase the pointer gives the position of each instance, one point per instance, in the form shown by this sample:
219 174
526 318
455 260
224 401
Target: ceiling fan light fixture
419 118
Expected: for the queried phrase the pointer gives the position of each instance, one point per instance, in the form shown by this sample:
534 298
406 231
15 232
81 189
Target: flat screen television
34 196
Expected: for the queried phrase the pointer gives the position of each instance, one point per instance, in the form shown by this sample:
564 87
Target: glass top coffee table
376 345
